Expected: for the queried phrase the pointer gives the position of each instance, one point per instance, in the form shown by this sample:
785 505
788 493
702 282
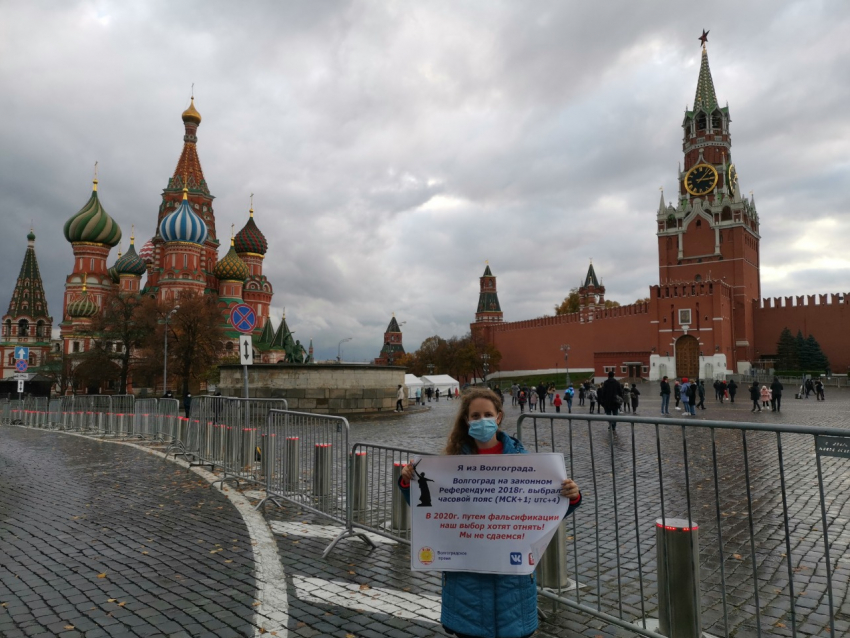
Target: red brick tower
392 348
591 295
189 174
489 310
711 233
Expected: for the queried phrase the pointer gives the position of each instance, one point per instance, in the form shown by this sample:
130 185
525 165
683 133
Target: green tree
800 347
817 358
786 351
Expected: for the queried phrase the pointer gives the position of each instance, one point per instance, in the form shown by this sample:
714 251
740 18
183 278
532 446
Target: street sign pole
246 356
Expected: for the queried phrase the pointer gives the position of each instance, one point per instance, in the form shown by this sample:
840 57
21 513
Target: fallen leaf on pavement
101 575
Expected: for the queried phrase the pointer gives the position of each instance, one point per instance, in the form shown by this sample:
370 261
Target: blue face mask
483 429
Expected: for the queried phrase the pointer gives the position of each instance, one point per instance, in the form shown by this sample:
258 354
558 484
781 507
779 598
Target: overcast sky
393 147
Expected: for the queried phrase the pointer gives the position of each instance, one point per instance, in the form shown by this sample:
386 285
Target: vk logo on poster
516 558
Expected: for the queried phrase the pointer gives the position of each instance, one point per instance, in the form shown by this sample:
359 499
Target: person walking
541 396
627 399
522 397
418 396
733 390
532 399
635 400
557 402
477 605
701 394
187 404
810 387
582 393
819 391
399 399
591 397
755 395
611 397
429 392
776 395
724 390
665 396
568 395
437 395
677 394
684 393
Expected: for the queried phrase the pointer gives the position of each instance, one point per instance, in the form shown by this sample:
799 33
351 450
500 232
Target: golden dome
191 114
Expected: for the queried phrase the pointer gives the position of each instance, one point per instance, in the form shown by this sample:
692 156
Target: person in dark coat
187 403
755 395
819 391
542 391
733 390
701 393
776 395
665 396
611 397
677 393
723 389
635 400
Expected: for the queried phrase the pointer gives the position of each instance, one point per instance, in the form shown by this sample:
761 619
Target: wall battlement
640 308
800 301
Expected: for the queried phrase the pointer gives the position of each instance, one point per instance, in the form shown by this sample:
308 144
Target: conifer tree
786 350
800 347
818 360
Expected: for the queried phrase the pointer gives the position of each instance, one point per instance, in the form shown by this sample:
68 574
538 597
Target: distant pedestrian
677 394
429 392
569 393
418 396
591 397
692 398
755 395
457 391
724 391
819 391
685 394
582 392
810 387
514 394
532 399
437 395
542 392
776 395
665 396
399 399
733 390
635 393
701 395
627 398
611 397
187 404
557 402
765 396
522 397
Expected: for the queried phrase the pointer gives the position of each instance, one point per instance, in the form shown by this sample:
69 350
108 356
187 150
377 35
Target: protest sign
493 514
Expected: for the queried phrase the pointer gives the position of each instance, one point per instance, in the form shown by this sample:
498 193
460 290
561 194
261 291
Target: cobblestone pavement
98 539
359 592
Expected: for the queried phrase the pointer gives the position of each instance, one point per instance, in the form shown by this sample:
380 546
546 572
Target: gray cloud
394 147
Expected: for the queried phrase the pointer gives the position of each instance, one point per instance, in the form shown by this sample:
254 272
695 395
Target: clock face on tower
701 179
732 178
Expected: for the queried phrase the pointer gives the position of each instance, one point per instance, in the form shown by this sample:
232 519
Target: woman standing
635 400
477 605
755 395
677 394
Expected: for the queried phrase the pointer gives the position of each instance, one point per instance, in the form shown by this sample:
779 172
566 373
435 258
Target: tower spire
705 97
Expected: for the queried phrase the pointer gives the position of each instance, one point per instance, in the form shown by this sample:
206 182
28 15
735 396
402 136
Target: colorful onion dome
250 239
130 263
231 268
92 224
30 235
84 306
113 274
184 224
191 114
146 253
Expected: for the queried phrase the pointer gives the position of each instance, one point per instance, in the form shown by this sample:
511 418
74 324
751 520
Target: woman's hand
569 489
407 472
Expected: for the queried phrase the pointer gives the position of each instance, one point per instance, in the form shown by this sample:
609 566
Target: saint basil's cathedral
181 259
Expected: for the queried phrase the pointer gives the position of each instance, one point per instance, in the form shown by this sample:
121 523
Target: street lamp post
168 315
339 349
566 350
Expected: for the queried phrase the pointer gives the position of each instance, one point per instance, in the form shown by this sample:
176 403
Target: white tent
442 381
412 382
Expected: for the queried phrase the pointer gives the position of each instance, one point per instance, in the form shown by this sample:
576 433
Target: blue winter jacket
490 605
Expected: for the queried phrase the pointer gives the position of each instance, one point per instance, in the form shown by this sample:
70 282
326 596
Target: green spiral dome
83 307
231 268
92 224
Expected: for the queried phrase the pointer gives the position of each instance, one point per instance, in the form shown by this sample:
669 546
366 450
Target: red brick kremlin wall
826 317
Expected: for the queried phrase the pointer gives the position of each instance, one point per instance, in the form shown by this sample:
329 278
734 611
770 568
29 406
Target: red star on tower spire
704 37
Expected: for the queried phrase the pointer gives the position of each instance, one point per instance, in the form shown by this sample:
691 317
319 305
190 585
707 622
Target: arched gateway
687 357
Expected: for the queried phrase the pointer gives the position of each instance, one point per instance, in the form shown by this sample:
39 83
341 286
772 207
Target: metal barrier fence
145 416
121 413
167 420
306 462
5 412
768 501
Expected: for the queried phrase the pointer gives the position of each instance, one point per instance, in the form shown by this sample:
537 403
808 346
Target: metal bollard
677 543
359 484
552 568
322 471
401 510
293 464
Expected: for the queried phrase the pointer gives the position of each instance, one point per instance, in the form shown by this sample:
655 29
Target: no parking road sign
21 365
243 318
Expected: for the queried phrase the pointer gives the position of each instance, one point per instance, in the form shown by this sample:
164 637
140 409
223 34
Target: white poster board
492 514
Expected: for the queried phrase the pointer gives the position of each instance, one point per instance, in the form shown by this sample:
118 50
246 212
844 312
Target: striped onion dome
92 224
183 224
83 307
113 274
250 239
146 253
130 263
231 268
